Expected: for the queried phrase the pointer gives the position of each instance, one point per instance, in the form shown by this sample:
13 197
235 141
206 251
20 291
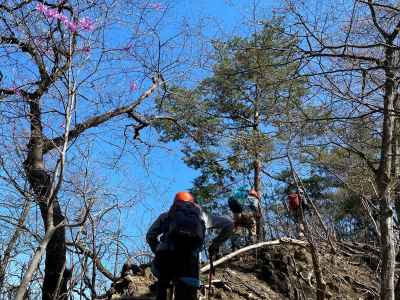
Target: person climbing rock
176 238
223 224
246 215
297 207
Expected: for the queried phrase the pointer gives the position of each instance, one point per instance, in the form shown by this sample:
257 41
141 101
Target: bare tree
351 52
64 74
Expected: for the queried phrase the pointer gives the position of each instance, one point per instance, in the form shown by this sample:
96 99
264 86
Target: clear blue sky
164 173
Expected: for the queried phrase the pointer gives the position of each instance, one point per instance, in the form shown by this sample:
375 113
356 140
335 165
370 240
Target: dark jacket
156 234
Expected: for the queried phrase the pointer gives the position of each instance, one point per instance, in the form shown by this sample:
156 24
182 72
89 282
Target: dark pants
244 221
171 266
298 219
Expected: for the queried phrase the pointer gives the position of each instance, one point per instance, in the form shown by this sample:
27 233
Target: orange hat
254 193
184 196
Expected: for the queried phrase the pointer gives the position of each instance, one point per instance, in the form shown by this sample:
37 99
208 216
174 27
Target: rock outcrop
280 271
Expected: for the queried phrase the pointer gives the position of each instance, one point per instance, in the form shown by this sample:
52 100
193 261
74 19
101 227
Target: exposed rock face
278 272
286 272
135 283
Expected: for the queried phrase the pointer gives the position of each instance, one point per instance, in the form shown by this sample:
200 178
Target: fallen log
255 246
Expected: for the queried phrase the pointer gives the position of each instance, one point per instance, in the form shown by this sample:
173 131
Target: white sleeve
224 224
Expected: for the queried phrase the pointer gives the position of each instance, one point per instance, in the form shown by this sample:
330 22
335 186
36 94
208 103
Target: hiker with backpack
176 238
297 207
246 210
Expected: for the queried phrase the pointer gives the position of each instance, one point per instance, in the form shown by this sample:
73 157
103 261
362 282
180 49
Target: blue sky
156 176
164 173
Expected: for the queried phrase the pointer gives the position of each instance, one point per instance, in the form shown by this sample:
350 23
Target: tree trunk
55 259
40 181
257 173
56 249
257 187
396 176
397 202
257 176
384 179
387 249
396 158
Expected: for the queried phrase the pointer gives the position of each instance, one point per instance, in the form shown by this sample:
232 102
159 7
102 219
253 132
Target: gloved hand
213 250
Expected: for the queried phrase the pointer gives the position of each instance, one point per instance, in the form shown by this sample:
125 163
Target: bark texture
384 179
40 182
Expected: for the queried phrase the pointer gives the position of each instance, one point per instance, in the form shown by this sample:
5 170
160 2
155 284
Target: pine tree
236 115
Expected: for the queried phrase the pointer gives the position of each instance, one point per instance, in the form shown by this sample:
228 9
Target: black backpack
235 206
186 228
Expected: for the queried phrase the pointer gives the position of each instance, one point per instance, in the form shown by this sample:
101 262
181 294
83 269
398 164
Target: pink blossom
86 49
156 6
52 14
41 7
133 86
63 19
72 26
86 24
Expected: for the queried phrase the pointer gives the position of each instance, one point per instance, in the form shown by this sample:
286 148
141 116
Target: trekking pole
210 274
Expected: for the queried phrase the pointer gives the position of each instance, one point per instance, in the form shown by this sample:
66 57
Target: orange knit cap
184 196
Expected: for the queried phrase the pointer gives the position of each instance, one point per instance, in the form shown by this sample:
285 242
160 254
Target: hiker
182 232
297 207
246 215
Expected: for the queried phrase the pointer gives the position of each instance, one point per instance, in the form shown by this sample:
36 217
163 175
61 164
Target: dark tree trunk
56 249
41 183
55 261
55 258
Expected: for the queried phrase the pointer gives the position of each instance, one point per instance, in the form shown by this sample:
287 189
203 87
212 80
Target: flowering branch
52 13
